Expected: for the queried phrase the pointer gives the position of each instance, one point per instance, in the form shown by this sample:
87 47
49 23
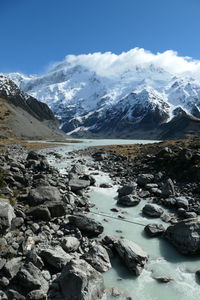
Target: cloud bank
109 64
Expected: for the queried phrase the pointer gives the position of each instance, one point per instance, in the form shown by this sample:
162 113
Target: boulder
185 236
32 155
30 277
55 257
98 258
152 210
78 184
144 179
127 189
39 213
41 194
57 209
12 267
70 243
129 200
36 295
80 281
6 215
133 255
87 225
182 202
153 230
168 188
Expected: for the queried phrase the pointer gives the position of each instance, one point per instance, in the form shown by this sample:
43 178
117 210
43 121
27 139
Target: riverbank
53 229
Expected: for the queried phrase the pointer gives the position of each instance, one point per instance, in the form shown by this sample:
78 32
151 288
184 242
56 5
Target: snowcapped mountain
134 94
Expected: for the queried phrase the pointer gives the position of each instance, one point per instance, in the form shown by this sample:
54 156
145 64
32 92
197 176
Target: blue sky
35 33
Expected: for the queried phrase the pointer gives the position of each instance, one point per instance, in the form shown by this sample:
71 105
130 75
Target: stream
164 260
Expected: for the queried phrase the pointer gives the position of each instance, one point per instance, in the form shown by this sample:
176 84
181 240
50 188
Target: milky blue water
164 260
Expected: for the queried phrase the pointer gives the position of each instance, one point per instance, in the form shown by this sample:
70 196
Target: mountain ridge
144 96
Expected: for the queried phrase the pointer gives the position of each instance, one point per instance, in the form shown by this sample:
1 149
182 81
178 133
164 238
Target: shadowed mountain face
142 102
22 115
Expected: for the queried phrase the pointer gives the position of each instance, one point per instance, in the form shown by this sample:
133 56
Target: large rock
144 179
30 277
57 209
154 230
55 257
39 213
12 267
129 200
152 210
133 255
168 188
185 236
98 258
78 184
87 225
70 243
127 189
80 281
6 215
41 194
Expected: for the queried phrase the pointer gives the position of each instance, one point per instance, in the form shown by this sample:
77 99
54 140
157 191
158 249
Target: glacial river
164 260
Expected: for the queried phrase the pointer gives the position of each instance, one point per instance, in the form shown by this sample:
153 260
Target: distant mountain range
143 101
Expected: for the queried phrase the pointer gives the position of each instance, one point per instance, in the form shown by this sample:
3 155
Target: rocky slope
22 115
127 101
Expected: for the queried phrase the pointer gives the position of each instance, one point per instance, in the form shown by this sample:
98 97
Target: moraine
164 260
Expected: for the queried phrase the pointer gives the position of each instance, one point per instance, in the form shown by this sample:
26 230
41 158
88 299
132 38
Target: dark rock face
80 281
154 230
6 215
88 226
185 236
133 256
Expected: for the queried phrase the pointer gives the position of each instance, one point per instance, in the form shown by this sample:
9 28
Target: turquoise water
164 260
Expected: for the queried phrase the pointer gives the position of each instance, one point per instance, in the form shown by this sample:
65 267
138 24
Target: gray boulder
78 184
55 257
87 225
12 267
168 188
6 215
133 255
37 295
30 277
153 230
182 202
129 200
144 179
41 194
98 258
185 236
70 243
80 281
152 210
127 189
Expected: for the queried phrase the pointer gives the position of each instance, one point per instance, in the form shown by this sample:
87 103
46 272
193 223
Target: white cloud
109 64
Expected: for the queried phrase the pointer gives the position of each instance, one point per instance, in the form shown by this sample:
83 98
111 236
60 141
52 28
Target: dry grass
5 115
140 150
